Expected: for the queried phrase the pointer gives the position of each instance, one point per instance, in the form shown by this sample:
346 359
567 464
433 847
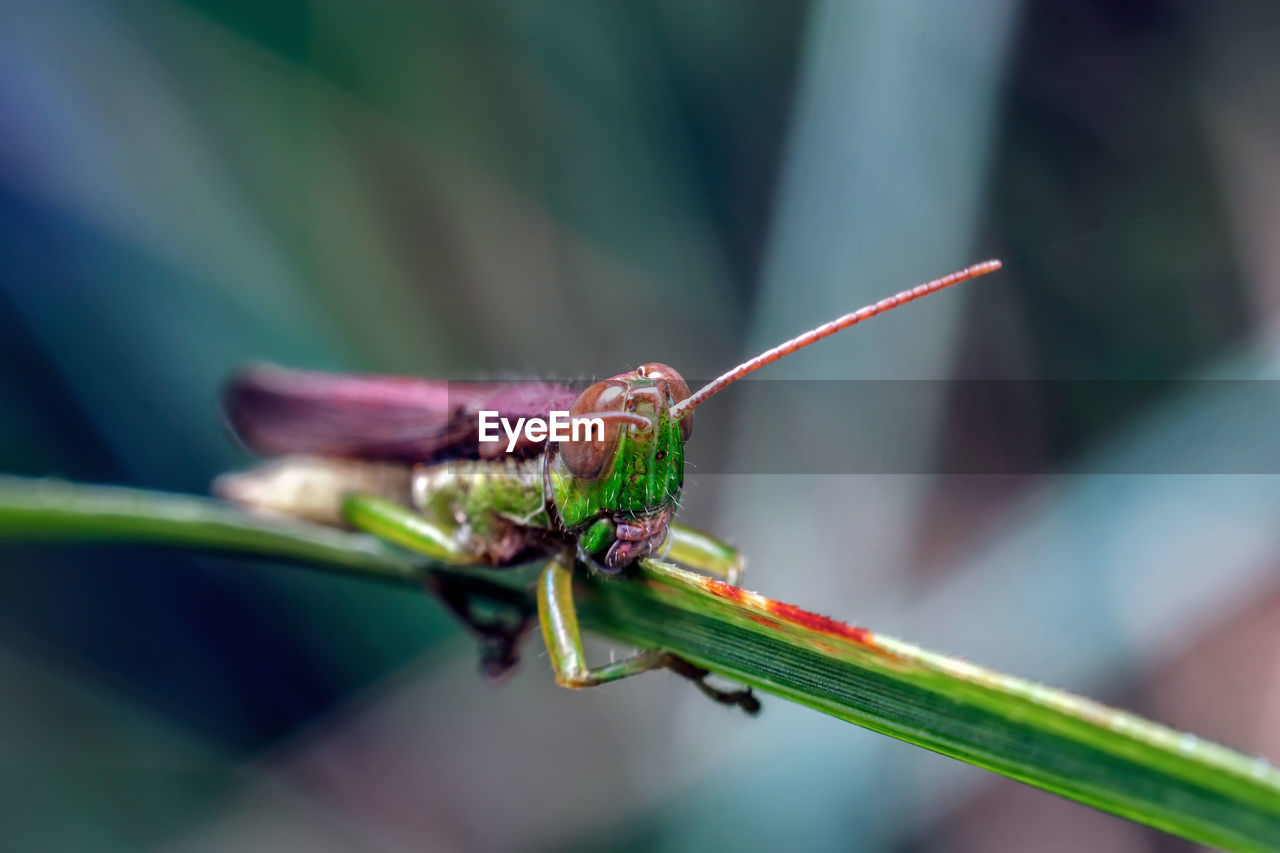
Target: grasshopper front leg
559 619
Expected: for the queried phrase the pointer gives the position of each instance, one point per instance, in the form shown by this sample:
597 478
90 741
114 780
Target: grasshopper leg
396 523
559 620
499 620
743 697
703 553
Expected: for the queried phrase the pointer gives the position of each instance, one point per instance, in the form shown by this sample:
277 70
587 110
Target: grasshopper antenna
688 404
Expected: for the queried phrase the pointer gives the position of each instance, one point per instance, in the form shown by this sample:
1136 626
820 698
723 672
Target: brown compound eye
676 387
587 459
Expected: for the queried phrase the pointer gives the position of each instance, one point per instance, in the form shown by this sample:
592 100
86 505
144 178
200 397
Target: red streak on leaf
796 616
816 622
723 590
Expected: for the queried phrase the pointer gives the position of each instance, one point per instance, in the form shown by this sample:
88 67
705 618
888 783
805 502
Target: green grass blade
1048 738
56 510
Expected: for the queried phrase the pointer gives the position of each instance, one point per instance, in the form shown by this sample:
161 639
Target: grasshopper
402 459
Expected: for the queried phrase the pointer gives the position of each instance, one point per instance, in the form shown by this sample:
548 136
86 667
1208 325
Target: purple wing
391 418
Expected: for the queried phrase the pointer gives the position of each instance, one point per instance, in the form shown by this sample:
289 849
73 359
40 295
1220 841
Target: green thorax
643 477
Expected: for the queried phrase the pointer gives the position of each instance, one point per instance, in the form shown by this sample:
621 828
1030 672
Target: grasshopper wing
390 418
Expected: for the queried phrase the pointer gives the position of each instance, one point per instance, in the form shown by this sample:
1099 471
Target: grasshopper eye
677 389
587 458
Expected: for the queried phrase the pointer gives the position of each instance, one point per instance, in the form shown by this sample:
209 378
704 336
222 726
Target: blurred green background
534 189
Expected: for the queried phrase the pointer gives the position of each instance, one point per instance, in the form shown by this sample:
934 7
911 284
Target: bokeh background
536 189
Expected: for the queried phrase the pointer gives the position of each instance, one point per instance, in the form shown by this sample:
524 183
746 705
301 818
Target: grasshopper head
618 484
618 488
